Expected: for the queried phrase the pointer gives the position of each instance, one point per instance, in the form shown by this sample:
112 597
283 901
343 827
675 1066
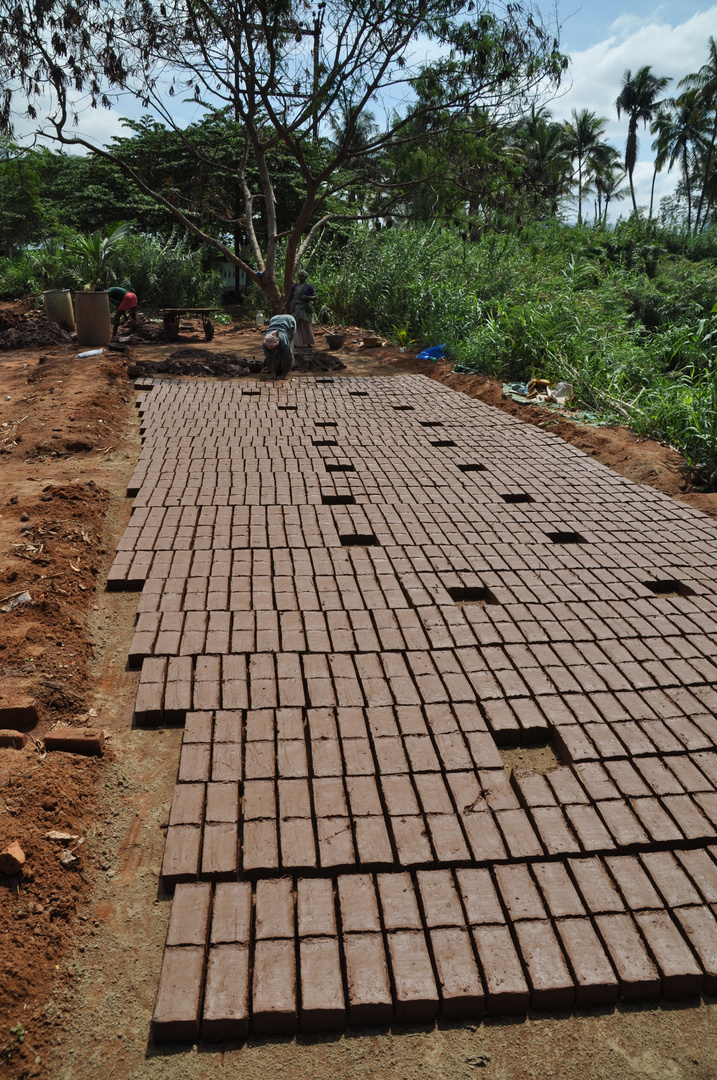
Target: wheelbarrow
171 317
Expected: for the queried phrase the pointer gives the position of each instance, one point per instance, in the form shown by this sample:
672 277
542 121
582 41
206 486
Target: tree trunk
652 189
707 175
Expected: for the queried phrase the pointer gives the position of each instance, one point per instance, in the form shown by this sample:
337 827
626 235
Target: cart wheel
208 331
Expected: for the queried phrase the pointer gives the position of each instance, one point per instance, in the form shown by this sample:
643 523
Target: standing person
300 298
278 345
125 301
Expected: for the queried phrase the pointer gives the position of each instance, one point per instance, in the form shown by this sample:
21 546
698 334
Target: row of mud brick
357 594
317 953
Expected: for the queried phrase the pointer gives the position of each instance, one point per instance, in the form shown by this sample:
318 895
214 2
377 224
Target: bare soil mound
205 362
30 334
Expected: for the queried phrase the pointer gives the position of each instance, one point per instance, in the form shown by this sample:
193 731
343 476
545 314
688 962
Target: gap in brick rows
339 466
471 594
338 500
515 496
565 536
358 540
472 466
403 408
324 442
325 423
443 442
668 587
430 423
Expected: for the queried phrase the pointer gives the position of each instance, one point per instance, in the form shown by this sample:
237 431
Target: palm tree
704 82
548 165
661 127
608 174
582 134
682 137
639 100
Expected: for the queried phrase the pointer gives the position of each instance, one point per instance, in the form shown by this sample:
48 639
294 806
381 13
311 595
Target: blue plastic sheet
434 353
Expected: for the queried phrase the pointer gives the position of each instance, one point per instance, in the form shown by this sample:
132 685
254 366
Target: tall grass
625 318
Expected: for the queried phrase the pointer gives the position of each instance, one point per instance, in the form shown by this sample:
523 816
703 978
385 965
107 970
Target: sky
603 38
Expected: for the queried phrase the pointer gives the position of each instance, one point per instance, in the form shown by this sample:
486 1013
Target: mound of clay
32 335
205 362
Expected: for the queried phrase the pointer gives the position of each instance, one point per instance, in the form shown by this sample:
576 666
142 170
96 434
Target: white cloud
672 50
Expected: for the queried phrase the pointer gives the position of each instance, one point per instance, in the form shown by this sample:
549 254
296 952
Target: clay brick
416 993
322 994
702 870
681 975
260 849
220 854
176 1010
197 728
226 997
636 972
222 802
373 845
700 928
689 817
231 915
479 897
595 981
315 908
622 823
398 902
518 834
298 849
336 847
553 830
182 850
411 840
189 920
226 761
633 883
357 902
520 896
274 909
259 760
399 795
291 758
227 727
369 989
551 983
597 889
459 981
670 879
274 988
259 800
439 898
75 740
589 828
447 838
14 740
506 988
658 824
187 804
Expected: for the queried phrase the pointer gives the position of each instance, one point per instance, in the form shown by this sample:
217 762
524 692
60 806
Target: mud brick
670 879
226 762
351 723
700 928
149 701
226 996
369 989
260 725
659 777
533 789
633 883
483 750
507 990
680 973
622 823
402 687
274 909
604 739
220 851
182 850
688 816
411 840
289 724
234 689
658 824
595 885
479 897
222 803
326 757
197 727
227 726
390 756
433 793
206 689
568 790
194 763
260 849
503 722
315 908
177 1007
421 754
447 838
292 759
595 981
596 781
358 904
416 993
575 744
458 977
589 828
358 757
483 835
702 870
452 751
274 988
627 780
518 834
329 797
637 975
399 795
231 917
298 851
189 920
322 994
398 902
372 842
551 983
558 890
553 830
187 805
259 760
520 896
439 899
262 681
688 774
294 798
497 790
336 848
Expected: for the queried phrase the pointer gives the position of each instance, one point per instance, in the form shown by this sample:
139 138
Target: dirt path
81 953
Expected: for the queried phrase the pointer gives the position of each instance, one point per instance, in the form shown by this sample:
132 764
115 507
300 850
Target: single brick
298 848
226 995
670 879
700 928
260 849
414 982
439 898
459 981
398 902
220 851
594 883
194 763
222 802
551 983
231 915
479 897
189 920
315 907
595 980
369 988
518 833
75 741
179 995
274 988
411 840
187 804
182 850
226 762
553 830
633 882
520 896
357 902
702 870
373 846
680 972
558 890
636 972
507 990
336 847
274 909
323 1007
13 740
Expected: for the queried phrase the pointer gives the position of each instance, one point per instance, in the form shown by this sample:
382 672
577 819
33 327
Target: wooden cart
171 317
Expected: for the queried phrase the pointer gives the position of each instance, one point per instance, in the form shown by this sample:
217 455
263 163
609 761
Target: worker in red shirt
126 301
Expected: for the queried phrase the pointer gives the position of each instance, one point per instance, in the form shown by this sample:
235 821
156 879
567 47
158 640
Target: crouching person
278 345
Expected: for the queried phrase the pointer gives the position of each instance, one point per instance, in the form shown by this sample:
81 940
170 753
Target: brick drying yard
411 768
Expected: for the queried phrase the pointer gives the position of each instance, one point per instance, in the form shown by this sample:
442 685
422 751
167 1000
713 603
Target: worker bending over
126 301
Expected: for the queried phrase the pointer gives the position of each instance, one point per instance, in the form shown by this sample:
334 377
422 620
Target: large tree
583 135
704 82
639 99
279 71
